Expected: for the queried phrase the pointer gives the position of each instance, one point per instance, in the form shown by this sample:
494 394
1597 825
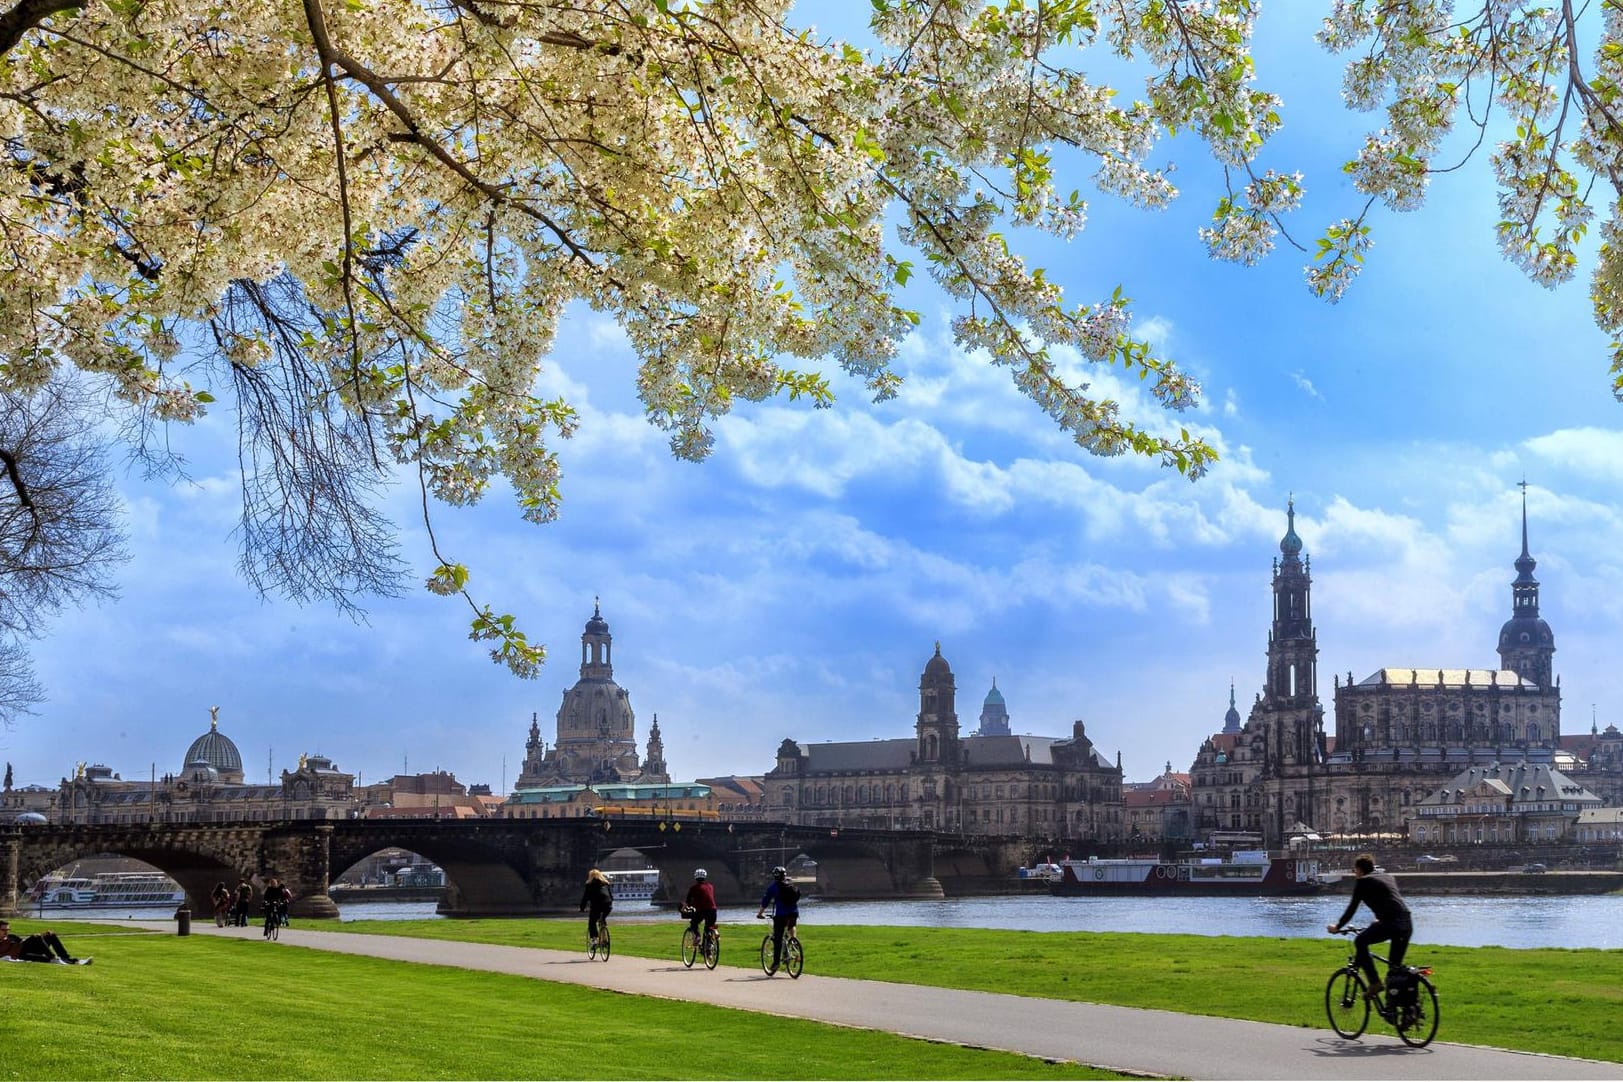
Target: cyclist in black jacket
596 901
1378 891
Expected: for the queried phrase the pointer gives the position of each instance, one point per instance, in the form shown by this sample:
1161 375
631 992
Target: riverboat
1240 873
636 885
107 890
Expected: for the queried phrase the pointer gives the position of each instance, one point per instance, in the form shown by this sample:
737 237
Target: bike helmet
700 873
779 872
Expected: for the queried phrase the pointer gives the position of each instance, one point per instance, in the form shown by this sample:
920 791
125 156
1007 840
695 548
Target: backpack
788 893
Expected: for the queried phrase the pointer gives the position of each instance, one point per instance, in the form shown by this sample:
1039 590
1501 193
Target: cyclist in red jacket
701 901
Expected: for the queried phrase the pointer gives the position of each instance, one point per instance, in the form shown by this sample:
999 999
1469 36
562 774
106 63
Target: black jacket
598 896
1379 891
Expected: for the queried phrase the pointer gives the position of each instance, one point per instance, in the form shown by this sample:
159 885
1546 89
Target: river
1542 920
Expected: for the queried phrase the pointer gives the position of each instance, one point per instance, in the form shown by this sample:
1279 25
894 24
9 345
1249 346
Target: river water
1542 920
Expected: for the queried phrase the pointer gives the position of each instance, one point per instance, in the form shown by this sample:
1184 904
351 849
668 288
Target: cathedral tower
1526 643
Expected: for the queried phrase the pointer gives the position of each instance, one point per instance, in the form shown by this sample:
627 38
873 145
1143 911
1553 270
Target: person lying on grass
39 947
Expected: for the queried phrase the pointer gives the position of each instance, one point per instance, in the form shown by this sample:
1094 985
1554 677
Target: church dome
995 697
1521 632
937 666
216 750
597 625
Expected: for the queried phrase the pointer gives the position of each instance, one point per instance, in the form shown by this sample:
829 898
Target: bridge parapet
494 867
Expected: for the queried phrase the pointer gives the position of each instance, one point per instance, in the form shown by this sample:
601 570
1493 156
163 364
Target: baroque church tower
1526 643
1290 699
938 713
596 735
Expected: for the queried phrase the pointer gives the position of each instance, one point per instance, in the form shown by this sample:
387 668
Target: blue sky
795 584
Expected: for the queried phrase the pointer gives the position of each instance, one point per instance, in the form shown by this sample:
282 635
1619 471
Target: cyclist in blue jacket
784 897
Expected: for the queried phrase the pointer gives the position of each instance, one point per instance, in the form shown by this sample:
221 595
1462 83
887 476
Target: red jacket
701 896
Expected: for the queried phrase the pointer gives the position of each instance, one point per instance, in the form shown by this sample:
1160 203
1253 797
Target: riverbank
1477 883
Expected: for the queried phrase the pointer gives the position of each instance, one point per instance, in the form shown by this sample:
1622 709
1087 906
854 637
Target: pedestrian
244 902
220 897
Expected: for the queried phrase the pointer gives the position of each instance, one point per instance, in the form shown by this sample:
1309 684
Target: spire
1525 562
1290 545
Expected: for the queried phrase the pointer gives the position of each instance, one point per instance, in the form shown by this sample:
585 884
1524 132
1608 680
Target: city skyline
795 584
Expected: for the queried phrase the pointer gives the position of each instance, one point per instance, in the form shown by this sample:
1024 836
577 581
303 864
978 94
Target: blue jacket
782 907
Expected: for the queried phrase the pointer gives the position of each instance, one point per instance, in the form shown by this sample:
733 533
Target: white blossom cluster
375 212
1423 59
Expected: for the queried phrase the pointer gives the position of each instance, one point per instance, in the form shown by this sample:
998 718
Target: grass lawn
155 1005
1564 1002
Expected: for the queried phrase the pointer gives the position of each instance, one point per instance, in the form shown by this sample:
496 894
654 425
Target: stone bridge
514 867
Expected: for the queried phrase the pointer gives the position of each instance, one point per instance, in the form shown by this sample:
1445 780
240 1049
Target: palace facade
987 782
209 788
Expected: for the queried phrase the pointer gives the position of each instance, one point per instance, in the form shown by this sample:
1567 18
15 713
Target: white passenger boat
107 890
636 885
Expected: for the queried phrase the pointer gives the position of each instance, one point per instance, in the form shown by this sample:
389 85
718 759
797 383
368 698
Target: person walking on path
244 901
220 897
784 898
596 901
1378 891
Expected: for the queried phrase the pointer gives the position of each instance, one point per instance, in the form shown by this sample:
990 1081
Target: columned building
1043 788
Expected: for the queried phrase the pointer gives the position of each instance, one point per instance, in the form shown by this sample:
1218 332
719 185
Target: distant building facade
1504 804
614 800
1044 788
209 788
1158 812
596 729
435 795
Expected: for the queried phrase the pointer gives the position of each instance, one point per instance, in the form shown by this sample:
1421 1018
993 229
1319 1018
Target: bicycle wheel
793 958
1417 1025
690 947
1345 1004
712 950
603 942
591 949
766 954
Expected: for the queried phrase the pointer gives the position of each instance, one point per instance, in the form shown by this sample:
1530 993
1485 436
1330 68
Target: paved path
1120 1038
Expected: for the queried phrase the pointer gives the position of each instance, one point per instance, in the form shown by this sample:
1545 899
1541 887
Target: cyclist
1379 891
596 901
276 898
784 897
701 900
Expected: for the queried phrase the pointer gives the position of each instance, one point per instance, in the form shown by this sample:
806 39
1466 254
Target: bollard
183 918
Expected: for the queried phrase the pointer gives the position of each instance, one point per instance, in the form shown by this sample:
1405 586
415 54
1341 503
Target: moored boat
636 885
107 890
1240 873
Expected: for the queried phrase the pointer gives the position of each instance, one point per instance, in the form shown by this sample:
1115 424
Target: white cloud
1305 385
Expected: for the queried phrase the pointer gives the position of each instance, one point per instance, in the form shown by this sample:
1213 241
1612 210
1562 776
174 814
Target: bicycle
600 946
793 957
693 948
1414 1017
275 917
